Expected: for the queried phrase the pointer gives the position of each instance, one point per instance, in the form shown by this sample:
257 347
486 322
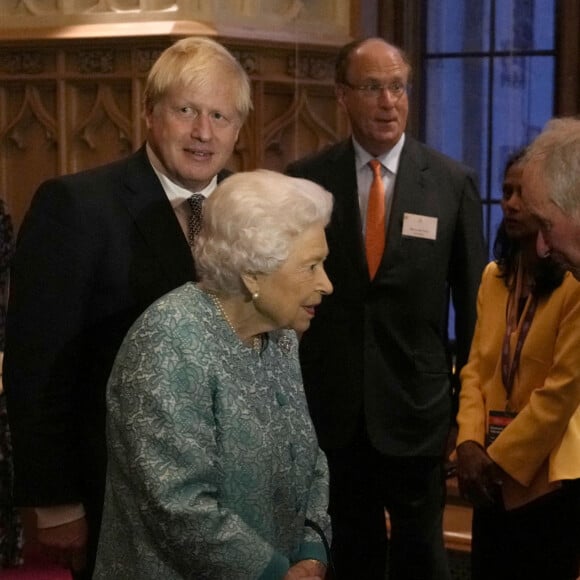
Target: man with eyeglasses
406 234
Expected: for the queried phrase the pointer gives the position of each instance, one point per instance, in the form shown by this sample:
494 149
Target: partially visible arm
65 544
467 263
50 280
476 475
471 418
312 545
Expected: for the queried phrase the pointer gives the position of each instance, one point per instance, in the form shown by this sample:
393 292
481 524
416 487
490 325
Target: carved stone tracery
27 62
72 105
32 111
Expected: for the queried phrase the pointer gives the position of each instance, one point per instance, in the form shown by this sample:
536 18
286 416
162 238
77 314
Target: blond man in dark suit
94 251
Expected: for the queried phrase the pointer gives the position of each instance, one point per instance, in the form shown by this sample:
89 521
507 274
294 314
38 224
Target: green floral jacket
213 459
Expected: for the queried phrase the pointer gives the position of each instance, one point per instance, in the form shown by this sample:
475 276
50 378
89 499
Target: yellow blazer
541 446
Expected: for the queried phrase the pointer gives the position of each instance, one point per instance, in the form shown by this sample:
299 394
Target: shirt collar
174 192
390 159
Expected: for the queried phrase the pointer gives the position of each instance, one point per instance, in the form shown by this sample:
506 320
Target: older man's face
559 233
378 119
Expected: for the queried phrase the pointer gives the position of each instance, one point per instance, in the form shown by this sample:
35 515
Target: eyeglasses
396 89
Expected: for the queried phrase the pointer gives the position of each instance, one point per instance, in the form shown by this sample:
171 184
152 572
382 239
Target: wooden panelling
69 104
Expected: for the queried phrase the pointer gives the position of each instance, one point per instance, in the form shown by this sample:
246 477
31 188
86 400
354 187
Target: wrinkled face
378 116
193 131
289 296
559 234
519 224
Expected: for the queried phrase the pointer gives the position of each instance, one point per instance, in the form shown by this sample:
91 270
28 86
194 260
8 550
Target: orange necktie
375 228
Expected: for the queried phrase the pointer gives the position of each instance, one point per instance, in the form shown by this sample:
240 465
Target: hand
306 570
65 544
478 476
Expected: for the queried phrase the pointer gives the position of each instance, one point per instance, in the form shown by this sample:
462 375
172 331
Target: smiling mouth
199 154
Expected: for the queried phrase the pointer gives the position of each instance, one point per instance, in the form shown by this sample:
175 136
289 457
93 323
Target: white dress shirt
364 176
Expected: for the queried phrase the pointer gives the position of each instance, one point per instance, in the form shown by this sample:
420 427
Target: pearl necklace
256 340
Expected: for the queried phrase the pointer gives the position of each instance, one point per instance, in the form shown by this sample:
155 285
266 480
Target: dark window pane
458 26
525 25
496 215
523 102
467 118
456 117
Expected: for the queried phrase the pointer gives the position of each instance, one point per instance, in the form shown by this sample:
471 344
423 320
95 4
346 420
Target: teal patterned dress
213 459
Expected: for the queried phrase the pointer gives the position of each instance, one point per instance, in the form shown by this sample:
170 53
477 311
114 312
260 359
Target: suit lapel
154 218
346 226
408 195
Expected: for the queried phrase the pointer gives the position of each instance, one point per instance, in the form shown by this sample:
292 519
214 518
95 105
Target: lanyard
509 365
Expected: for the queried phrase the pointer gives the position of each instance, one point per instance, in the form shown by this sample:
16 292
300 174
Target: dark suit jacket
380 348
94 251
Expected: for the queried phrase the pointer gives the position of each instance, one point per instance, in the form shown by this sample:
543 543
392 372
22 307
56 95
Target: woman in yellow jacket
518 447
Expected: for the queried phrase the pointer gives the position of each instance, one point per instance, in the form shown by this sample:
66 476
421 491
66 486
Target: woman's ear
251 283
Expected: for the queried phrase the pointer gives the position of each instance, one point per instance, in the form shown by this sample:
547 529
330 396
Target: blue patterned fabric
213 460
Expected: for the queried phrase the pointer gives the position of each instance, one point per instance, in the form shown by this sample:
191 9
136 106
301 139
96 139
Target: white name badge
419 226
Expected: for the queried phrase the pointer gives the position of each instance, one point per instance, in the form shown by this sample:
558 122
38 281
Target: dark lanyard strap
508 372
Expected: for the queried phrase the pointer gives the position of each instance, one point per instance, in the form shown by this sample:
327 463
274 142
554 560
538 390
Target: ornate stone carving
75 104
25 62
31 112
248 60
64 7
145 57
95 61
318 21
307 66
298 125
105 110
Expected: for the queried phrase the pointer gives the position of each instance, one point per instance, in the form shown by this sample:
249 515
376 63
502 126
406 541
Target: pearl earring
255 296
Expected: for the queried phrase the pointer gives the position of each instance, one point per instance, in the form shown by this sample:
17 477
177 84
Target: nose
512 200
511 203
543 248
325 285
386 99
201 127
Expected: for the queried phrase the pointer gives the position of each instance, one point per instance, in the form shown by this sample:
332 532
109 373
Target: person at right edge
519 417
377 363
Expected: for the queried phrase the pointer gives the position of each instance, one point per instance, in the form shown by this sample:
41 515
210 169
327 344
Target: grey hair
557 151
249 224
197 60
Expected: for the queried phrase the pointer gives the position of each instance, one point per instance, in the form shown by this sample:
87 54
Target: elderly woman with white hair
214 468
